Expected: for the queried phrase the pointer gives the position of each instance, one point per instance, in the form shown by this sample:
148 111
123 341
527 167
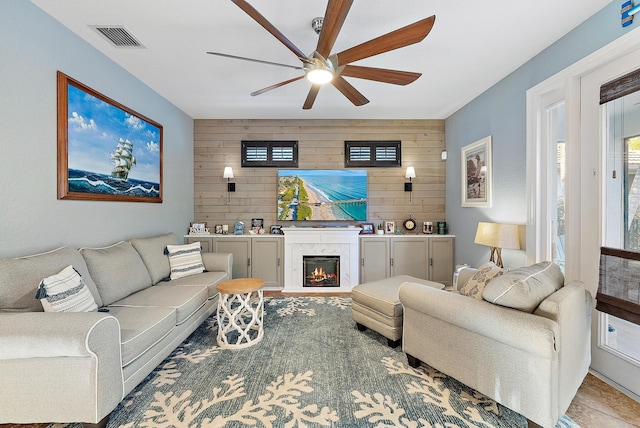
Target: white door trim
584 181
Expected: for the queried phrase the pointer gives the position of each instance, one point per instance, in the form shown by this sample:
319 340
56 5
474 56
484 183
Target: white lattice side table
240 312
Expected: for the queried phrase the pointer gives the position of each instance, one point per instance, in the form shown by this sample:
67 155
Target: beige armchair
532 363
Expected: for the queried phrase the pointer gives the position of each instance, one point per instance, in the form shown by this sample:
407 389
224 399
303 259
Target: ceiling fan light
319 76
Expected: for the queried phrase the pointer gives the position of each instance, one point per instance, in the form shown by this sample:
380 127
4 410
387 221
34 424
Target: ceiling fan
321 67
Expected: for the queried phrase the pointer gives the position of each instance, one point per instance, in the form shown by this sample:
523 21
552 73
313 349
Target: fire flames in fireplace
319 275
321 271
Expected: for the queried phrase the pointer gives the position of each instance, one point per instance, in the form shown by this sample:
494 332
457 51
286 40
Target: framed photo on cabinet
367 229
389 227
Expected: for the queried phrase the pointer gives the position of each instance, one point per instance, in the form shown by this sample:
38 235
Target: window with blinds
372 154
619 286
270 154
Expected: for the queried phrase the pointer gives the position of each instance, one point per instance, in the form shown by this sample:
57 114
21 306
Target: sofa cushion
141 328
524 288
184 299
65 292
185 260
152 253
479 280
20 277
208 279
117 270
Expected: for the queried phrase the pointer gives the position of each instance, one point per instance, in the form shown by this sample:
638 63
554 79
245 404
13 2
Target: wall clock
409 224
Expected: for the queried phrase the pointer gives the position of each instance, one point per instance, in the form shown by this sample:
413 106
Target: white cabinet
423 256
266 260
374 259
441 260
381 256
409 256
253 256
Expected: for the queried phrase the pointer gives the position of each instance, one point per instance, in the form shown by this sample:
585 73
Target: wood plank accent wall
321 146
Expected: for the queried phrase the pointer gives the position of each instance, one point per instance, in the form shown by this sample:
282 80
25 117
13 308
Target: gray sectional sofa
77 367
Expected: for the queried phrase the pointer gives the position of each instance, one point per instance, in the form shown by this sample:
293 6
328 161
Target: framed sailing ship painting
106 151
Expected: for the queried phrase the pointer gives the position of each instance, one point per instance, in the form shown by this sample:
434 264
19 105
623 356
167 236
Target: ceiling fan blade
277 85
384 75
249 10
349 91
402 37
255 60
311 98
334 17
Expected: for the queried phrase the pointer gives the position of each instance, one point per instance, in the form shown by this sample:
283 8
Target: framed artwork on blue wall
106 151
476 173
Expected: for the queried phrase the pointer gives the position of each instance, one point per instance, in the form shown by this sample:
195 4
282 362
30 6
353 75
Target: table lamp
497 236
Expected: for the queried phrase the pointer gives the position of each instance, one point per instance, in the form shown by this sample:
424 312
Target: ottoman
376 305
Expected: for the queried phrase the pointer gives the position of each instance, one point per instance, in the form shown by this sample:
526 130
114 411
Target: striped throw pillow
185 260
65 292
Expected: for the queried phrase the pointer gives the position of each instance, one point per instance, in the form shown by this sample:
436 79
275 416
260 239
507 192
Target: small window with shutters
372 154
270 154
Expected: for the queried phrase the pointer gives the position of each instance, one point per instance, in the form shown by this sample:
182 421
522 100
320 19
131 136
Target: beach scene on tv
322 195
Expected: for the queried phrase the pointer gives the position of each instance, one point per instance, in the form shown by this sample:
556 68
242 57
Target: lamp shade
411 172
498 235
228 172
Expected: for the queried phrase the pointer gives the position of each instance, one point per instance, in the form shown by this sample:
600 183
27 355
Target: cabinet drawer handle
430 261
249 261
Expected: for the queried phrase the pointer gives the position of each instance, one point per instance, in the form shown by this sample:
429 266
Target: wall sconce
497 236
443 155
231 187
408 187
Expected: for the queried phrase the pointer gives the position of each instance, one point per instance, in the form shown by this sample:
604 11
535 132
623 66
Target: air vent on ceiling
118 35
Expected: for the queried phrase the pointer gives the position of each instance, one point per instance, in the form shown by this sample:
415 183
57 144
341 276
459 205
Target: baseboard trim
615 385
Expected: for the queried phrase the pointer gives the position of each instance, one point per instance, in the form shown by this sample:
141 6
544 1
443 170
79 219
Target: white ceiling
473 45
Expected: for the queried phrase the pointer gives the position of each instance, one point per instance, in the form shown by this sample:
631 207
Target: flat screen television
322 195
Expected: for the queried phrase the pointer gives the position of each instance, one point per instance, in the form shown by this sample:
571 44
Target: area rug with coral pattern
313 368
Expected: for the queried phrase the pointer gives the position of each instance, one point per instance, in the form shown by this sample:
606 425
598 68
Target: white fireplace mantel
316 241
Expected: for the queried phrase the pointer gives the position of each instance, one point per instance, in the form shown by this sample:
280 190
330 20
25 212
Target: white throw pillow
526 287
479 280
185 260
66 292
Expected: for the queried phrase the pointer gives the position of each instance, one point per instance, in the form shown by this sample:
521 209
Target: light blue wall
501 113
33 46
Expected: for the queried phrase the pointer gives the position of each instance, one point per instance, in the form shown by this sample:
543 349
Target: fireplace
339 242
321 271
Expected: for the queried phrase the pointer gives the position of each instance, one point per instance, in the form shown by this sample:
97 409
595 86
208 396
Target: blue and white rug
313 368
